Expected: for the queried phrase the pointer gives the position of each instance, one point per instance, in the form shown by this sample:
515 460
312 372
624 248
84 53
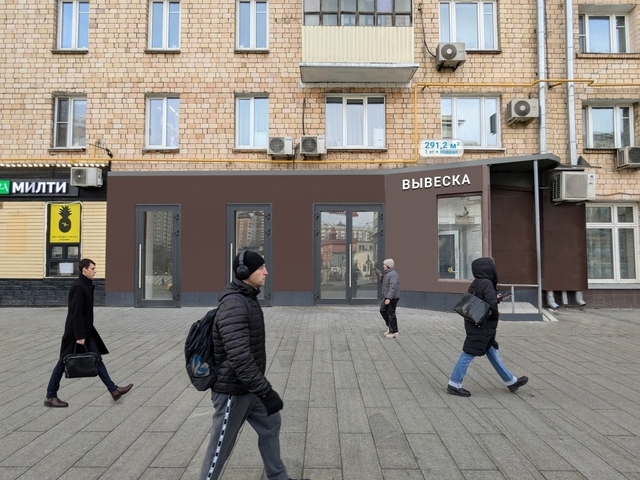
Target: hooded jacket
391 284
239 342
484 286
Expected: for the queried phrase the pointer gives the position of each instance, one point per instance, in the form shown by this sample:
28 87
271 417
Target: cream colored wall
94 235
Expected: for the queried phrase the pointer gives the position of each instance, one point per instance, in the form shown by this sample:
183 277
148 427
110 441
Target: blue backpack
198 350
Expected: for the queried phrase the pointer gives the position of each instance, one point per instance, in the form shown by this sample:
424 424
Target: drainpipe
571 110
542 129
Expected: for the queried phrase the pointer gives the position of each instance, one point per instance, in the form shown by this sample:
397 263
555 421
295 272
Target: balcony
357 54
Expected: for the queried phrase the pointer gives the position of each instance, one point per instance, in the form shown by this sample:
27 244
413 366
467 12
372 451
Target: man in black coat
241 390
79 331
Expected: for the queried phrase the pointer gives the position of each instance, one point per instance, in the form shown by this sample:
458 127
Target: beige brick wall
116 75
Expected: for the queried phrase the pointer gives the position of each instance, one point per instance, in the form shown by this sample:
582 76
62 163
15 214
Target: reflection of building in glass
250 231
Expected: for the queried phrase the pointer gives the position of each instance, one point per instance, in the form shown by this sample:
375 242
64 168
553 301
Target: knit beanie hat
251 260
389 262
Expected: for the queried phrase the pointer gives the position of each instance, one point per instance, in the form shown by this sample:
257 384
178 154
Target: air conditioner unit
86 177
573 186
312 145
450 55
280 146
628 157
522 110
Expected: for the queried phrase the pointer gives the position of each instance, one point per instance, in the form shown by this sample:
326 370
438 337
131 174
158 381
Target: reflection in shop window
459 235
612 236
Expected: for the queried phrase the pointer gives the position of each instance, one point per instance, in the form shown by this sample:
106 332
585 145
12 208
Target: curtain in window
334 126
173 121
261 122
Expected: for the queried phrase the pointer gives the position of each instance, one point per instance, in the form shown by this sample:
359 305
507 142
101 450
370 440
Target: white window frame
615 227
167 127
166 24
588 127
254 17
75 26
480 17
379 142
584 32
487 124
70 122
258 139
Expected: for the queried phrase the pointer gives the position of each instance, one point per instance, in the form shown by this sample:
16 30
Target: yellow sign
64 222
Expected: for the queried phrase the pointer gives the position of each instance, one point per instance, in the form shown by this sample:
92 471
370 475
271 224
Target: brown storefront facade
171 236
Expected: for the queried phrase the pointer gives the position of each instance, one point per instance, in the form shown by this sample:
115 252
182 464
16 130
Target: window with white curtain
252 25
164 25
163 119
70 122
73 25
355 121
252 121
472 23
602 33
474 120
612 236
607 126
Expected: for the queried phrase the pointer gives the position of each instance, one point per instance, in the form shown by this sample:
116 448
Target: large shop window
459 235
612 236
63 239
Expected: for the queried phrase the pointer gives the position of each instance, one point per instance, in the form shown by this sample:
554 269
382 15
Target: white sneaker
386 332
391 335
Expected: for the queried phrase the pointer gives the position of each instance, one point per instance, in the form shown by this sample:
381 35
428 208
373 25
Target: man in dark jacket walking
482 341
390 297
79 331
241 390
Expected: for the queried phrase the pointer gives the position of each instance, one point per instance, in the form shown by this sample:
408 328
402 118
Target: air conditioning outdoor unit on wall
280 146
312 145
522 110
628 157
450 55
86 177
573 186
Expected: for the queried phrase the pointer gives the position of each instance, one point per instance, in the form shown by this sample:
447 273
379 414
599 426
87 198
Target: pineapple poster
64 222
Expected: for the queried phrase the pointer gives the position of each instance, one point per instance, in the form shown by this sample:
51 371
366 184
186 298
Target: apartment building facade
174 134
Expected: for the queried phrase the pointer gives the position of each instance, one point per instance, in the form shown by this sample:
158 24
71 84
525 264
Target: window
459 235
612 236
73 25
607 126
70 122
252 24
252 122
472 23
474 120
355 122
346 13
163 118
602 33
164 25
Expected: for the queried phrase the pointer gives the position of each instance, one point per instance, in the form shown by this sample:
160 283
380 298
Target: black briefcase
80 365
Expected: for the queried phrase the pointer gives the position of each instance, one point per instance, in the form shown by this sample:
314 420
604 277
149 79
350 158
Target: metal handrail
513 296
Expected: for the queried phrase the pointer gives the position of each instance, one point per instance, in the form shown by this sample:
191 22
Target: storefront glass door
157 263
249 228
347 253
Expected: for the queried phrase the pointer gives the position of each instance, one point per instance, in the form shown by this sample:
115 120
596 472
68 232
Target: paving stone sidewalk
357 405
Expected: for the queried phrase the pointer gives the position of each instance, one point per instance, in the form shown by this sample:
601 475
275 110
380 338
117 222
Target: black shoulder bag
79 365
473 309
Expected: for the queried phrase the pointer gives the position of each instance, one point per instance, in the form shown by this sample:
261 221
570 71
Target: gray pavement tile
390 440
411 416
300 375
433 457
14 442
322 392
352 416
345 375
360 458
162 473
137 458
322 474
322 448
562 475
11 473
172 418
509 460
395 474
294 415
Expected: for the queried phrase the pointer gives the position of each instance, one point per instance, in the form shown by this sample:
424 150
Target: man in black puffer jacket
482 341
241 391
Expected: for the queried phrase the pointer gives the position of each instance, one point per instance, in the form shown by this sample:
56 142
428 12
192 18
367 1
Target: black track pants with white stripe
230 413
